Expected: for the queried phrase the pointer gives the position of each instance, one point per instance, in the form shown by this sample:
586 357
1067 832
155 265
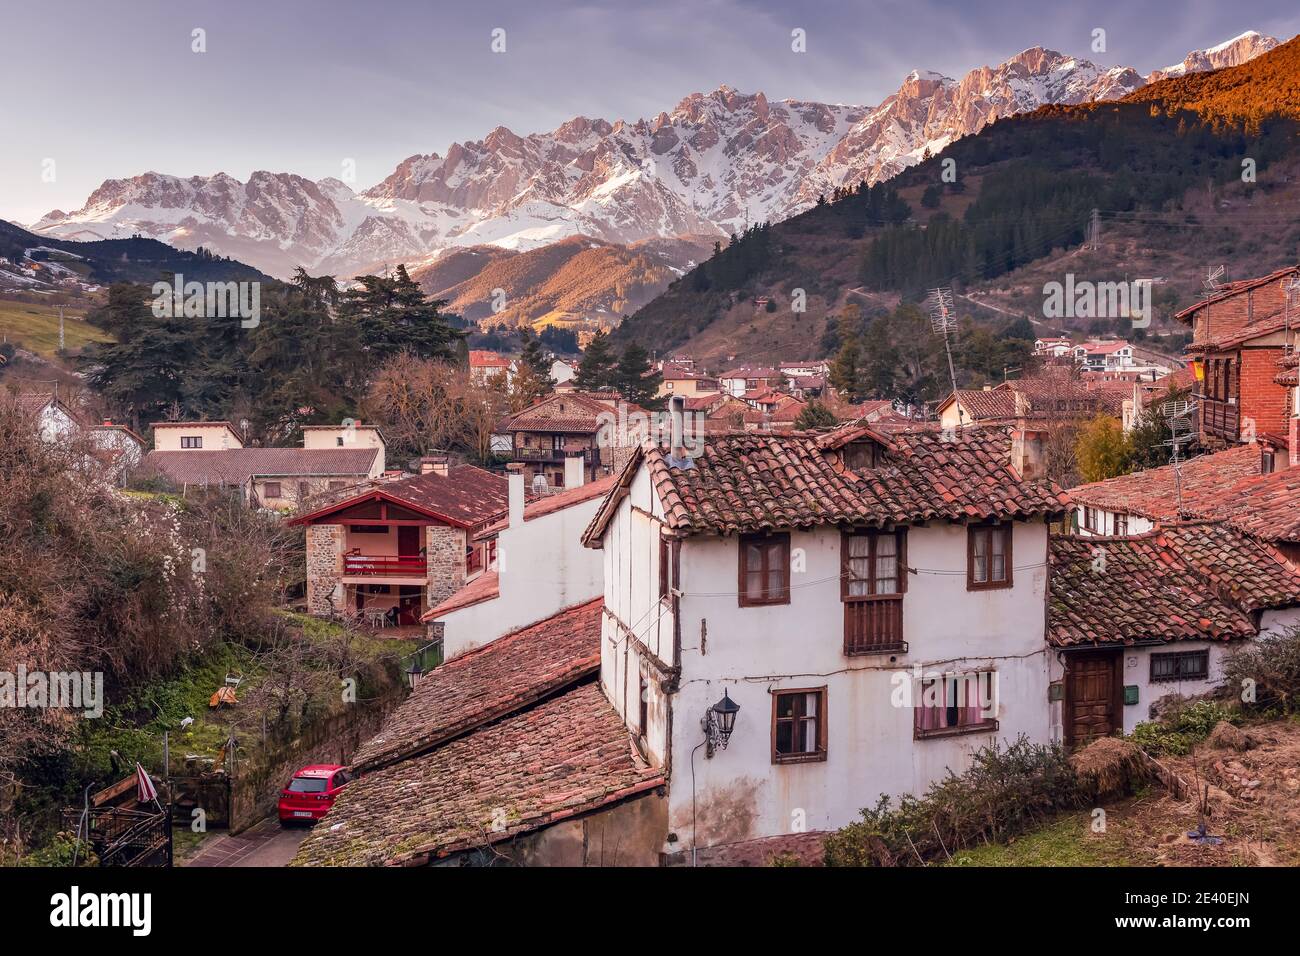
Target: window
861 455
339 441
1090 519
988 557
873 577
764 569
369 529
665 568
799 725
304 490
191 441
1121 524
643 716
271 489
1184 665
1267 463
336 485
955 704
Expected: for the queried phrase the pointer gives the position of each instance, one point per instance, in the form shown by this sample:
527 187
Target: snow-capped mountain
717 162
1229 53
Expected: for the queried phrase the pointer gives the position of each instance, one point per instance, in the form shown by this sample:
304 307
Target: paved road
263 844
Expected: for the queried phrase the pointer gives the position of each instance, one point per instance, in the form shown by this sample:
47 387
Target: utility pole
61 341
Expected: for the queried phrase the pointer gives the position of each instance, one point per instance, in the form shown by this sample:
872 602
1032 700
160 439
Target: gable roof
485 684
560 759
759 481
484 358
33 403
466 496
235 466
1207 481
1196 581
567 412
1267 506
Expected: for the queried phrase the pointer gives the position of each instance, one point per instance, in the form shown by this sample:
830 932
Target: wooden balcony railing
874 625
1219 418
385 566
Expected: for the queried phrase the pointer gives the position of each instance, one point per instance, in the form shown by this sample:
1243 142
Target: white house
537 566
874 614
55 420
1137 618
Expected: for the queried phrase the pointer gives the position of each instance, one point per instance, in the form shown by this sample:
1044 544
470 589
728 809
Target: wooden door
408 540
1093 696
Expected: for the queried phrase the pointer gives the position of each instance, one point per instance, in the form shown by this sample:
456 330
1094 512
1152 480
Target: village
720 626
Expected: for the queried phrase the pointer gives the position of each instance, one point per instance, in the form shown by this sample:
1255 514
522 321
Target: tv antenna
943 321
1211 284
1177 413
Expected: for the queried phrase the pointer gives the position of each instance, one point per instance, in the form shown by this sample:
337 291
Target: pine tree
636 380
596 371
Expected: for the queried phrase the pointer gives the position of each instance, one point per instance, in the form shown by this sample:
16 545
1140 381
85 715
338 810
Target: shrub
1271 665
1186 725
1007 790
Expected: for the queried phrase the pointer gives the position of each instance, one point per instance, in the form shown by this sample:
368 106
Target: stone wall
324 566
446 555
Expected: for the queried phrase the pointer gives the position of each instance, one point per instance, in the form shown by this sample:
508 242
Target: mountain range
715 163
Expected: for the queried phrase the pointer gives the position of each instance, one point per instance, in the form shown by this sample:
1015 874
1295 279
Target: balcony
390 566
1220 419
589 455
874 625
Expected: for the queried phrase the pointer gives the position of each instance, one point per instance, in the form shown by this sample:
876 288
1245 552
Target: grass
1067 841
36 327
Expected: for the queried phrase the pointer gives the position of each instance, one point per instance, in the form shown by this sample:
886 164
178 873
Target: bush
1271 667
1007 790
1182 728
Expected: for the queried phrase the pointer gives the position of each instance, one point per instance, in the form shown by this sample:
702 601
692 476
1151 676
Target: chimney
676 408
575 471
516 489
1027 453
434 464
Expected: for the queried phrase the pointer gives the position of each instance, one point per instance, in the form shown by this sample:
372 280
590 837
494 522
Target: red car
311 793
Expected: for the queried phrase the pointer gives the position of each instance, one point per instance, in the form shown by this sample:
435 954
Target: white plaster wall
751 652
1137 672
1106 524
542 568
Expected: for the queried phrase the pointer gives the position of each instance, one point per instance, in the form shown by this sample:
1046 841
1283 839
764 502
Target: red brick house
1240 336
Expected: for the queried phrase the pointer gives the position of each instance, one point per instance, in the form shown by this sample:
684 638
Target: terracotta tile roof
1206 481
1250 574
988 404
466 496
1132 591
33 403
755 481
1229 289
1267 506
485 587
235 466
562 758
483 358
485 684
568 412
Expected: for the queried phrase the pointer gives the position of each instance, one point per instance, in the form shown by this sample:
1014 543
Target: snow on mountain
717 162
1229 53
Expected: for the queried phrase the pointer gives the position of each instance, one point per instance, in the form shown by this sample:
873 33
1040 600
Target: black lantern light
414 673
719 721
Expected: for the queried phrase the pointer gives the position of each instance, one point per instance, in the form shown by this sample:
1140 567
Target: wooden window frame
1121 524
1089 518
266 490
990 585
665 568
781 538
987 725
191 442
1203 654
894 597
817 756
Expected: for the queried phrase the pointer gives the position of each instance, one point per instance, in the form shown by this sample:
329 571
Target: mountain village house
484 366
591 428
1243 341
212 455
386 552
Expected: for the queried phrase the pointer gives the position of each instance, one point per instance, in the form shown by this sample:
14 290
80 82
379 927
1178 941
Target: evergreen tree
392 315
596 371
635 378
815 415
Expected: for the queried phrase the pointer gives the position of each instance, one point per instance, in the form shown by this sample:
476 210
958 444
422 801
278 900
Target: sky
100 89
